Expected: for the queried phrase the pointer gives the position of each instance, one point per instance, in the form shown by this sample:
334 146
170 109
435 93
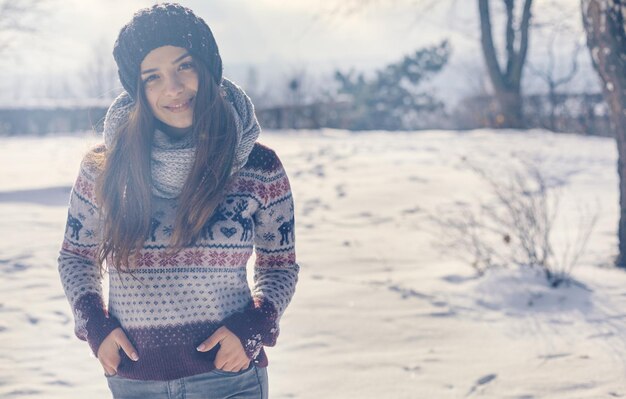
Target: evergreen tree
392 99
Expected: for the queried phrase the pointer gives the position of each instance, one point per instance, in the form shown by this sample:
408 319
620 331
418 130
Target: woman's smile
170 82
177 107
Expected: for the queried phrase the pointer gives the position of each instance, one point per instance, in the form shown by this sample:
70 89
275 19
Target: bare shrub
516 227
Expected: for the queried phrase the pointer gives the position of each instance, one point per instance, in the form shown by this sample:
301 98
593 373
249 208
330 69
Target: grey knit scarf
172 159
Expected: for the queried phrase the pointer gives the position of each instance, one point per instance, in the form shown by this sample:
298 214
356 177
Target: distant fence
64 116
52 117
67 116
576 113
582 113
309 116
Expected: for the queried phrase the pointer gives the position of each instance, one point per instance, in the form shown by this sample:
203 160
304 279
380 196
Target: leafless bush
516 227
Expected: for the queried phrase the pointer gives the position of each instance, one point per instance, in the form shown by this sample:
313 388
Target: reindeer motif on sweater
174 300
75 225
286 231
246 223
218 216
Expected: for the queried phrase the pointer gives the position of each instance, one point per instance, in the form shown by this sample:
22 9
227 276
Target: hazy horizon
275 37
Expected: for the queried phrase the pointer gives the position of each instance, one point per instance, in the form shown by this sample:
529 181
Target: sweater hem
173 362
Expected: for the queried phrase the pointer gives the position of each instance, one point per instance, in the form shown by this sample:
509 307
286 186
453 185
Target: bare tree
100 73
18 17
552 76
505 73
506 79
296 92
606 39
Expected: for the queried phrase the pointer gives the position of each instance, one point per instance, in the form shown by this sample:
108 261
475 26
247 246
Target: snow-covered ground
378 312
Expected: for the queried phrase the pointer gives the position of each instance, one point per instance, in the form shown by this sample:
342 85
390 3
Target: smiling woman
173 205
171 83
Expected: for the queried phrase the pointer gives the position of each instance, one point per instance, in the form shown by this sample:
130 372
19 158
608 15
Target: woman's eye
150 79
186 65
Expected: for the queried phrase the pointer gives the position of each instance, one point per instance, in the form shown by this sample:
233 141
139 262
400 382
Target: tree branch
518 66
510 36
486 39
17 17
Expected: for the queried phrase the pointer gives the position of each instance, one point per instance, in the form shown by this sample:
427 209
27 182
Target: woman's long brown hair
123 187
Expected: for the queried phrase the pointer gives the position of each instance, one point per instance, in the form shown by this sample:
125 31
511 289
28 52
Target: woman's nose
174 86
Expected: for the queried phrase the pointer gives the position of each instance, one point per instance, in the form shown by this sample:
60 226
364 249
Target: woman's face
170 82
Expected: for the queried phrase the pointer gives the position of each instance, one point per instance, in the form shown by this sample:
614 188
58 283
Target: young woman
173 204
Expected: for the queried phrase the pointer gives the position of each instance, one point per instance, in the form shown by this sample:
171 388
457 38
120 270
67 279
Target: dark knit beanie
162 25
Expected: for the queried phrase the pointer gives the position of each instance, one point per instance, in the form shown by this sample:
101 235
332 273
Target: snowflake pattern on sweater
175 301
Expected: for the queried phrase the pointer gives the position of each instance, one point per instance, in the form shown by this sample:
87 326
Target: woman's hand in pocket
231 356
109 351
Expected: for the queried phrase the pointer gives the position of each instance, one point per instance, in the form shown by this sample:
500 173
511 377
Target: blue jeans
250 383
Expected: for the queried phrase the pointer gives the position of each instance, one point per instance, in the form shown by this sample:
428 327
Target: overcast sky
275 36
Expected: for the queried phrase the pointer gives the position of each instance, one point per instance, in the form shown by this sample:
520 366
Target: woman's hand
231 355
109 351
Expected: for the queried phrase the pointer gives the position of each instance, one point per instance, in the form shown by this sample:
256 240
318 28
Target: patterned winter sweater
176 301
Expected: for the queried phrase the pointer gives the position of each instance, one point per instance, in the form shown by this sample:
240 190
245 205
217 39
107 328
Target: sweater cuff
93 322
255 326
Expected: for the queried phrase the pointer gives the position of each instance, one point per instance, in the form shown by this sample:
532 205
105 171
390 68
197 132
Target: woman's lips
180 107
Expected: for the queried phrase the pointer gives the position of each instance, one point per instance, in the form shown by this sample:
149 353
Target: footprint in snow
481 382
340 189
411 369
456 279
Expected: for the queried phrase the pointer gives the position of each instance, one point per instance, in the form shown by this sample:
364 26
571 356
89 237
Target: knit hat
161 25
